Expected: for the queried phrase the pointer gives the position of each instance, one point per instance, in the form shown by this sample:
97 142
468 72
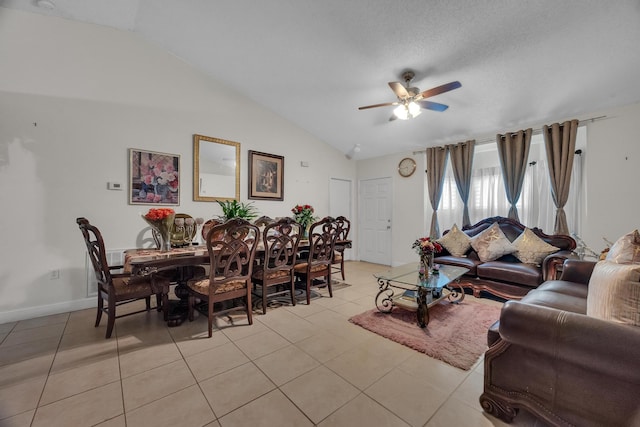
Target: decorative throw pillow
491 244
626 250
614 292
531 249
455 241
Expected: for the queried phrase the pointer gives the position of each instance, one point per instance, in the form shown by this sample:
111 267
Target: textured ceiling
520 63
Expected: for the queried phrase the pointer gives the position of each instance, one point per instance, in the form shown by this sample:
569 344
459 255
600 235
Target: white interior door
375 220
340 204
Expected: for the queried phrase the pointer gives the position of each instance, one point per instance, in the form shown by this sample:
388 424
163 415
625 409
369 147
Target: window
487 197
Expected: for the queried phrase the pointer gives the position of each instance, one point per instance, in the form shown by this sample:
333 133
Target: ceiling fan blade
393 117
385 104
399 90
440 89
433 106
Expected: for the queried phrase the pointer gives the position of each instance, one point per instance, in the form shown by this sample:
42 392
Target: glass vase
425 267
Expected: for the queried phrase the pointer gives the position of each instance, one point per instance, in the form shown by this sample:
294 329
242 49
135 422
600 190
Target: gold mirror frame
210 160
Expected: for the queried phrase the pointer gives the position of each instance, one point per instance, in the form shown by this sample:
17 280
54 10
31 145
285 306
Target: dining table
182 262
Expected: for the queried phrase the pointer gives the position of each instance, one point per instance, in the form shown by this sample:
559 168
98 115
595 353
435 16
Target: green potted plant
234 209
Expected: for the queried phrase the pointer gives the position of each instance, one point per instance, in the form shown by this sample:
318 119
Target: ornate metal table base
425 298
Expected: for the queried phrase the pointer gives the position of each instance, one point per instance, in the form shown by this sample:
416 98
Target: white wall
73 98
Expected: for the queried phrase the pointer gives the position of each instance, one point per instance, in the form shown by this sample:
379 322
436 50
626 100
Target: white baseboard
46 310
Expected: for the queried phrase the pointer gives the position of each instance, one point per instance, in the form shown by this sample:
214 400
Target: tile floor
295 366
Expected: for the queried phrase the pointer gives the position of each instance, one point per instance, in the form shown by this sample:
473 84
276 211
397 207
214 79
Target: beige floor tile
362 411
148 386
215 361
368 362
272 409
38 322
262 344
146 350
118 421
325 346
440 375
213 424
79 349
407 396
286 364
350 309
187 407
33 334
290 326
82 320
77 380
234 388
303 310
22 396
241 328
21 420
25 370
85 409
17 353
318 393
193 337
470 390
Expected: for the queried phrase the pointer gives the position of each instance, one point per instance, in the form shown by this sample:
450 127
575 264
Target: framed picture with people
266 176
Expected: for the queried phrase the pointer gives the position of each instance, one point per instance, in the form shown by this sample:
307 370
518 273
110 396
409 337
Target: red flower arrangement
159 214
303 214
425 246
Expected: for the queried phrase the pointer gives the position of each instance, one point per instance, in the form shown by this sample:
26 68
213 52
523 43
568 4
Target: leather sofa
507 277
548 357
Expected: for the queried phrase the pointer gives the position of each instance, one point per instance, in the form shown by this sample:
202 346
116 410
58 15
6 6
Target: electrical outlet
54 274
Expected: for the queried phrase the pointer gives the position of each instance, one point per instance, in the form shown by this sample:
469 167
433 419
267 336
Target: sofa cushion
556 300
511 272
531 249
566 288
455 241
626 250
614 292
467 262
491 244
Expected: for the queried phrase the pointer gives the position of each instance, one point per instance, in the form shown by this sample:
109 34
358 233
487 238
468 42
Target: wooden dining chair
280 240
118 289
263 221
232 247
343 226
322 237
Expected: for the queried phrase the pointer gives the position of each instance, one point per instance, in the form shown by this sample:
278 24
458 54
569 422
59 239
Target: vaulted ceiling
521 63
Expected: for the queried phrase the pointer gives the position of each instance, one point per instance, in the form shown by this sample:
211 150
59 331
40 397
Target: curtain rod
535 132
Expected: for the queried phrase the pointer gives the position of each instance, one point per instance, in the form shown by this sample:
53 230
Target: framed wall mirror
216 169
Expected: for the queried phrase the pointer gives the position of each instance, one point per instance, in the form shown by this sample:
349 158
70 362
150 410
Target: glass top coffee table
400 286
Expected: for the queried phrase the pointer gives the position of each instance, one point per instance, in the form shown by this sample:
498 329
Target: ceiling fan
411 101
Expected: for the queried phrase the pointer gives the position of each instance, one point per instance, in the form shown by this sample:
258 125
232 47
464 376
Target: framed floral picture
154 178
266 176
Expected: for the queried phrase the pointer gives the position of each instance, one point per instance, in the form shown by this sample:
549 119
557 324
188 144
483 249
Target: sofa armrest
578 271
552 264
610 348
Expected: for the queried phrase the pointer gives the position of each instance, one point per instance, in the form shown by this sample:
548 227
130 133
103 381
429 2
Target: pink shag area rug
456 333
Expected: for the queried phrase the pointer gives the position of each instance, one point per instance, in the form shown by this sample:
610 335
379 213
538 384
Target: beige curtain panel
461 156
436 163
560 144
513 149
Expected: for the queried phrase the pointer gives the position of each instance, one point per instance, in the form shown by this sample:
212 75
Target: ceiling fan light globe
414 109
401 112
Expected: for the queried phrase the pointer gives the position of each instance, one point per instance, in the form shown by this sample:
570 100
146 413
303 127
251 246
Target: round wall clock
406 167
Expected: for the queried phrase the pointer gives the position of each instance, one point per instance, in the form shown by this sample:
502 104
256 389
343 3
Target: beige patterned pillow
531 249
491 244
626 250
456 241
614 292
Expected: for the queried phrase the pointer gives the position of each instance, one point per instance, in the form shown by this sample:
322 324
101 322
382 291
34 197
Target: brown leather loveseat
547 356
507 277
